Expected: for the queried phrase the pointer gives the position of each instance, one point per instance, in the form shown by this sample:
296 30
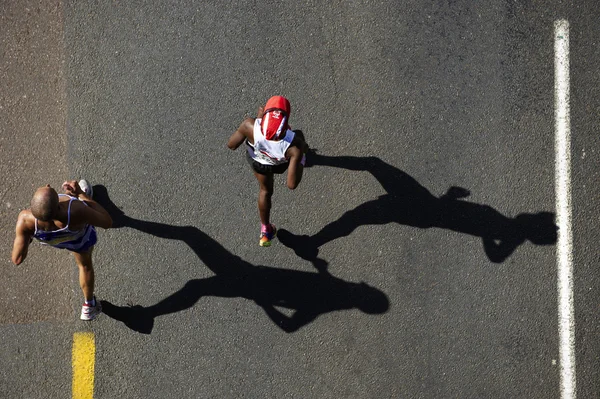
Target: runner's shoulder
294 150
247 128
299 143
248 123
26 221
78 206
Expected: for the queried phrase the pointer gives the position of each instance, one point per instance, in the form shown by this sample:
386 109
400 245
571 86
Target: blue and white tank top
65 238
269 152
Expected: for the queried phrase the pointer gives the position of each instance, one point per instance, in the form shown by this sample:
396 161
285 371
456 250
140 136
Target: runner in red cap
272 148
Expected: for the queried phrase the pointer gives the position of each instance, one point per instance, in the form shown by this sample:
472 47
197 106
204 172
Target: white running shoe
87 188
89 312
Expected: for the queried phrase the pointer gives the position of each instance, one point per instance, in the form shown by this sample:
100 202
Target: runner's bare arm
23 236
296 154
300 141
296 168
94 213
245 131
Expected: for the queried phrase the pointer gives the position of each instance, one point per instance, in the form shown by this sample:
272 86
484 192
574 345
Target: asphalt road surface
417 258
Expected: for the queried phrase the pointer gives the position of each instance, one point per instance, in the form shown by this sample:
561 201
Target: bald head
44 204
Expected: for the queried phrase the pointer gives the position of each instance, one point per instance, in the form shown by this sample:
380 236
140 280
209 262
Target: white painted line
564 247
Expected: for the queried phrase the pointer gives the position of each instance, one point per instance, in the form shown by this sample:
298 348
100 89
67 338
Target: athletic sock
265 228
91 303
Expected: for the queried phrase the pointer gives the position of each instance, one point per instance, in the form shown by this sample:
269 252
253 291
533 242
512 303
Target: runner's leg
264 196
86 273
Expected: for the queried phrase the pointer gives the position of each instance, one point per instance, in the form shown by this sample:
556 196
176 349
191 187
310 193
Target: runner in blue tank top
65 221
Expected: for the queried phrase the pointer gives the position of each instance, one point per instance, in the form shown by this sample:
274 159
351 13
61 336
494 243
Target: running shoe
89 312
86 187
267 236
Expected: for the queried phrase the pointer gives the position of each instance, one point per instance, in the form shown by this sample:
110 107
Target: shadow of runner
306 294
409 203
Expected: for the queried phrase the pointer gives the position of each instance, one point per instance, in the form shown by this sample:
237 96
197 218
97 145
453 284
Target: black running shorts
266 169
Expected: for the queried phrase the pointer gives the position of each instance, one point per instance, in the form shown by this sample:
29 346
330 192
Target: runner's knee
85 267
266 191
84 261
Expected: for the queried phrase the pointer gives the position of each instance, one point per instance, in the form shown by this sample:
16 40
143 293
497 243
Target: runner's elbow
106 224
234 143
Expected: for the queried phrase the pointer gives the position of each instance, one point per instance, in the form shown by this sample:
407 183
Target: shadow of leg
303 245
136 317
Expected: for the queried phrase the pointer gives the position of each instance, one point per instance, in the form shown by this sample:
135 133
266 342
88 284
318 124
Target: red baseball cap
274 121
278 102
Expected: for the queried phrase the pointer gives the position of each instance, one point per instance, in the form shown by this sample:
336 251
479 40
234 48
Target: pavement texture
416 259
33 147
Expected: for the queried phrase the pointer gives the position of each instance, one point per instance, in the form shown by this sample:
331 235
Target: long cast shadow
306 294
407 202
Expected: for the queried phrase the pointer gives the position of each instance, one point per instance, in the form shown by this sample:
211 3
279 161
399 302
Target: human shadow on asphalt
407 202
306 294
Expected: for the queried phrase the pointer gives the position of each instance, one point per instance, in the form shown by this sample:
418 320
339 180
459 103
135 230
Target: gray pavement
402 100
33 152
585 101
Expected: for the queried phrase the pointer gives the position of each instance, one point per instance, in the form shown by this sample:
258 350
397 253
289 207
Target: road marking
84 352
566 319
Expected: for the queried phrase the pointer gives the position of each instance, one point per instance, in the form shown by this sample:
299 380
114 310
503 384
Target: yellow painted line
84 353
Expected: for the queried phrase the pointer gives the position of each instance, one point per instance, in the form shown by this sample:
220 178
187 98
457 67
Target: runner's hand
71 187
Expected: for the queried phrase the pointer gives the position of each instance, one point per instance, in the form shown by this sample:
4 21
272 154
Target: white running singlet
269 152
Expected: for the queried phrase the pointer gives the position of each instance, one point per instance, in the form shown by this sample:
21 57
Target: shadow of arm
498 252
288 324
